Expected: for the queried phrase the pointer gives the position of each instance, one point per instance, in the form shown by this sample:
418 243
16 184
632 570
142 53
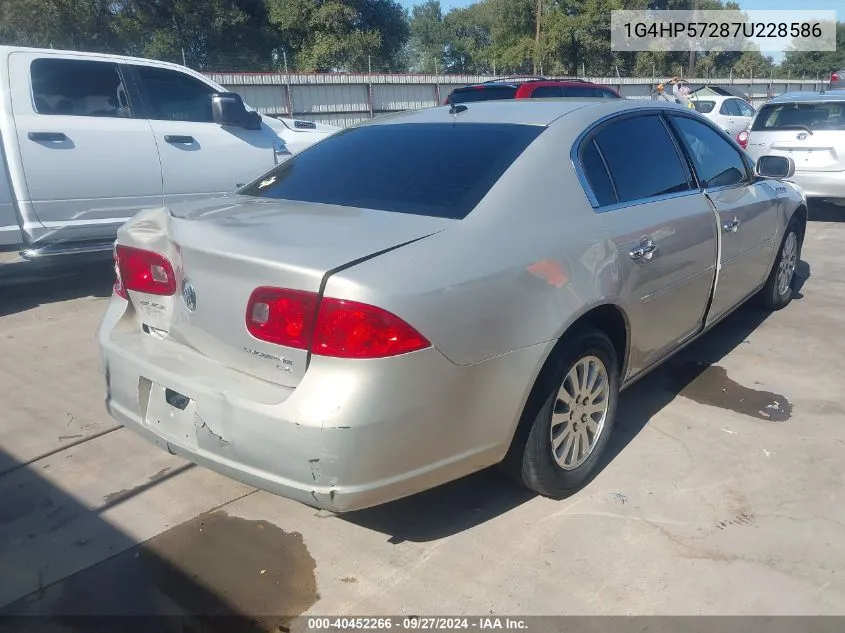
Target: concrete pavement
723 494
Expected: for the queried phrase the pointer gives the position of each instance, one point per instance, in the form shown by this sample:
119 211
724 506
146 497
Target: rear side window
596 173
705 107
437 169
827 115
482 94
78 87
642 159
729 108
542 92
587 91
716 161
744 108
607 94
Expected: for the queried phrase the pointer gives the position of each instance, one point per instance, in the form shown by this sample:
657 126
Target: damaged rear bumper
352 434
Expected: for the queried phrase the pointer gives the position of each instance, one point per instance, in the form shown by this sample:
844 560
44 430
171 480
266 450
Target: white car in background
730 113
809 128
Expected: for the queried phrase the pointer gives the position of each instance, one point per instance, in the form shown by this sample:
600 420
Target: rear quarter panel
530 259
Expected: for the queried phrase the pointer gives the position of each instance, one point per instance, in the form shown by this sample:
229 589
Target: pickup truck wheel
777 293
571 430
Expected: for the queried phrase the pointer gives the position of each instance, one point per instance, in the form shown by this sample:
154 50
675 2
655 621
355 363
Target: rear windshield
704 106
827 115
482 94
435 169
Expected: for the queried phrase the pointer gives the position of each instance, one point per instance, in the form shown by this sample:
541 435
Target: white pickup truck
87 140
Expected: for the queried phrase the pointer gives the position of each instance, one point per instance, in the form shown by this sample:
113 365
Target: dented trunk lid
221 250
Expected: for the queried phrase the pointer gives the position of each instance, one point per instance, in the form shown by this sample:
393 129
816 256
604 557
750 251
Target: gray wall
346 99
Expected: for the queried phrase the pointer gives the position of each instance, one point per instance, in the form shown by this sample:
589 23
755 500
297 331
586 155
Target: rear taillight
346 329
119 290
834 77
742 139
328 327
143 271
283 317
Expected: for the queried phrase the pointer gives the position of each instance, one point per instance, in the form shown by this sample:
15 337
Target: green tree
64 24
428 36
468 41
814 64
207 34
325 35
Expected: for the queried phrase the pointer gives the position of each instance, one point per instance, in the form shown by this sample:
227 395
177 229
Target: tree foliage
488 36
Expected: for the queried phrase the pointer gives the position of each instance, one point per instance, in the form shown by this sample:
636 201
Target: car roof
808 97
541 112
516 82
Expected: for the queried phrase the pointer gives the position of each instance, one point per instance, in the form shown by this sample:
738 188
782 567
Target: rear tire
570 432
777 293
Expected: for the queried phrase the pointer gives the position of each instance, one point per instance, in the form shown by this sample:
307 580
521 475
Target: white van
87 140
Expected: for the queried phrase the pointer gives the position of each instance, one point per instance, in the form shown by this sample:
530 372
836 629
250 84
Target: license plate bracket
172 416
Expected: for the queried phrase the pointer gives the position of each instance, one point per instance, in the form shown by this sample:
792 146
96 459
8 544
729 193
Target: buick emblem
189 295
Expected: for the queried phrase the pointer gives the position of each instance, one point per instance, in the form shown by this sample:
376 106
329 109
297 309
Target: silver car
435 292
809 128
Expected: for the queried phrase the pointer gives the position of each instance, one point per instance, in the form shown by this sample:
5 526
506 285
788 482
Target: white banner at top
724 30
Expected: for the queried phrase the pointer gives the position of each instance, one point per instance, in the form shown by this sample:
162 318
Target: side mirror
779 167
227 108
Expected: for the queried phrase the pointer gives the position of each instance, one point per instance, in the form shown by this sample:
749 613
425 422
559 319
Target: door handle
55 137
732 226
644 251
178 139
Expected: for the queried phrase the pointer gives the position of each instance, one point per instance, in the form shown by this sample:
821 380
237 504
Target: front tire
571 430
777 293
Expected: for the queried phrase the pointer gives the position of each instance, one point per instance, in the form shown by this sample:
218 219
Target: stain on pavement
214 565
710 385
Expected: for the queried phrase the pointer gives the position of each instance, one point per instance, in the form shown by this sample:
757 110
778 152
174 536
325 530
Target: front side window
641 157
716 161
75 87
175 96
433 169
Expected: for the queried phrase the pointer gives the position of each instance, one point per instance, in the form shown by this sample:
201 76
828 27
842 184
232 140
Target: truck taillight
328 327
143 271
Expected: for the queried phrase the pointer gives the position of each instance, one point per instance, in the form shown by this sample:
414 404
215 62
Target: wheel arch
609 319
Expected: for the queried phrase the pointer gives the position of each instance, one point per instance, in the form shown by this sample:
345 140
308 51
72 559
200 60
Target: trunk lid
824 150
222 250
811 133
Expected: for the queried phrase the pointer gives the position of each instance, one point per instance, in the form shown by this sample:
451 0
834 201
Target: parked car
837 80
88 140
731 114
809 128
530 88
346 332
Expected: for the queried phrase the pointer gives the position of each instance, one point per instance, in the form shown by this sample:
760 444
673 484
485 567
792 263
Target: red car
530 88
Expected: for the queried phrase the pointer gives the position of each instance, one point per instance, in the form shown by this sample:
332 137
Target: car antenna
457 109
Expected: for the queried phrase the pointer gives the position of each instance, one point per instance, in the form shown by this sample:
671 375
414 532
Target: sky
748 5
745 4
